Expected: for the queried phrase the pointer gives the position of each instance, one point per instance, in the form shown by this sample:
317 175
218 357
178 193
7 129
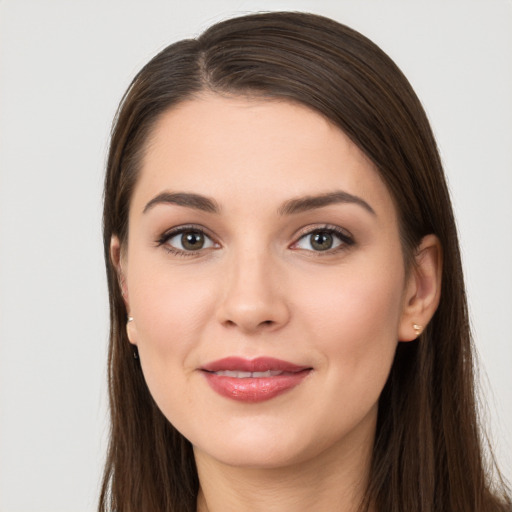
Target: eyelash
168 235
344 237
346 240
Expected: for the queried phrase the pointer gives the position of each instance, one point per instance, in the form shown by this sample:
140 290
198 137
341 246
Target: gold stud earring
417 329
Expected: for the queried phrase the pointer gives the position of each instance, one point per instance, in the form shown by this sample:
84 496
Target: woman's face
265 277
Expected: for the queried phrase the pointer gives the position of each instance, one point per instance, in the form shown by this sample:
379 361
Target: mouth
253 380
248 375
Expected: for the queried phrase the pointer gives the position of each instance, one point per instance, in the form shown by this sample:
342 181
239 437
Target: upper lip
260 364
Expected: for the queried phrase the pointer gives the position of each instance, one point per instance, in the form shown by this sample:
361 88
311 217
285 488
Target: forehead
251 148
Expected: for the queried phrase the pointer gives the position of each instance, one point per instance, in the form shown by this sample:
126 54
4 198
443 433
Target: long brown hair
428 454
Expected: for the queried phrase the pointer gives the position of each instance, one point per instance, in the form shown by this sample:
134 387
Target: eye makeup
192 240
325 239
187 240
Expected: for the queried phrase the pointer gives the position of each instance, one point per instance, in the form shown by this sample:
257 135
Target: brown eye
324 240
187 240
192 240
321 241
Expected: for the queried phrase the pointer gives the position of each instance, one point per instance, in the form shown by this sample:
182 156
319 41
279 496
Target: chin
255 455
265 442
264 446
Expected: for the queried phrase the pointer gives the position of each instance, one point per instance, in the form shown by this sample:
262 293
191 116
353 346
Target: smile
254 380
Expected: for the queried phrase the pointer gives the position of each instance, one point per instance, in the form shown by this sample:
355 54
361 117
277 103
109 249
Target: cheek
354 317
170 309
351 298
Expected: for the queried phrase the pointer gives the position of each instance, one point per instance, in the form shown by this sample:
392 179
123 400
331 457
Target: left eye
322 240
190 240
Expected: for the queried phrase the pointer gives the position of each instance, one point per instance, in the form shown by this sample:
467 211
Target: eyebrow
290 207
302 204
189 200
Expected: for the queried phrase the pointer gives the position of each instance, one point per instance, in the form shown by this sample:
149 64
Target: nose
253 297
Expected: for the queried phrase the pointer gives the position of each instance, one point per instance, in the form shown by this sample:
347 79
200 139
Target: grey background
64 66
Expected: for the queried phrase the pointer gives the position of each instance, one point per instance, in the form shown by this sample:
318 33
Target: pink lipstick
253 380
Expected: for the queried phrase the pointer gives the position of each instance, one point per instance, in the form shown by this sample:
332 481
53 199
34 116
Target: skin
259 288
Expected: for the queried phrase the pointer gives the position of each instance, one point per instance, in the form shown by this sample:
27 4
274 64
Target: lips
253 380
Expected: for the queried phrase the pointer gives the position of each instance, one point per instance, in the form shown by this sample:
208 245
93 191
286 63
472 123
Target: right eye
186 240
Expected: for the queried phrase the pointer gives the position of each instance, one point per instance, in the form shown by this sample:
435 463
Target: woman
288 321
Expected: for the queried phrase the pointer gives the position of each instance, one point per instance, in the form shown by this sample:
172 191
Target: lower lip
254 389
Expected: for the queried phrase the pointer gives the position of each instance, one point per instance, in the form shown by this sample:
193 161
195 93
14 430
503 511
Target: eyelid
342 234
177 230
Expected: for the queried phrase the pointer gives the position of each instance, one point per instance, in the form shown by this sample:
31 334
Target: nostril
252 314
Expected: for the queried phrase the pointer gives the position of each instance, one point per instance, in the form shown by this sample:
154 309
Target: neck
332 481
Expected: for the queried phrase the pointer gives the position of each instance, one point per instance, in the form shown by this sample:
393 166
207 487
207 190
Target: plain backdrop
64 66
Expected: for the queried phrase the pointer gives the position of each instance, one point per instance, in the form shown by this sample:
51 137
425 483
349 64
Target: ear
423 289
117 258
117 261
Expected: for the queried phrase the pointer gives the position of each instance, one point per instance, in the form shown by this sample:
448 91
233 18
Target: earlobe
131 331
423 290
116 257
